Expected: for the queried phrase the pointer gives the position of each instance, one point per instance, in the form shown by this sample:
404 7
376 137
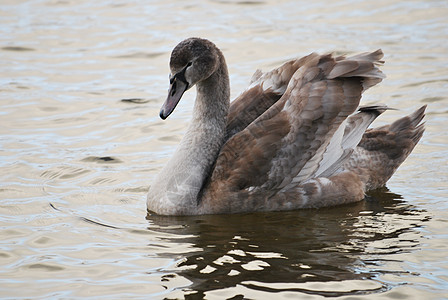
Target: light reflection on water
81 84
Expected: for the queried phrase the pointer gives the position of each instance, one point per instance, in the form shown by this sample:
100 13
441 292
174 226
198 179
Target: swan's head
192 61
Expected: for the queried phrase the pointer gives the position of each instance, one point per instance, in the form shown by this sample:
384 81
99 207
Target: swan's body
289 141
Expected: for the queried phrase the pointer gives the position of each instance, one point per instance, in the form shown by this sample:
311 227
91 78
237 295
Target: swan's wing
326 101
265 89
289 140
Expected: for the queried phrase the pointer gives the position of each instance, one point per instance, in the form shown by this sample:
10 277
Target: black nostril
173 89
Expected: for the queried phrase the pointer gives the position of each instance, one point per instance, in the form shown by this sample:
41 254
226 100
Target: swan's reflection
289 249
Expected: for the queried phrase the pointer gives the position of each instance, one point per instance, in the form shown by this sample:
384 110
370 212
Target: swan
294 139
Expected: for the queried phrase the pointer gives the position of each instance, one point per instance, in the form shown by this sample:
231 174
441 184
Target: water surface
81 84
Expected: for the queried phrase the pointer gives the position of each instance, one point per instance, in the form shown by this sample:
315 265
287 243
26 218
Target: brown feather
249 106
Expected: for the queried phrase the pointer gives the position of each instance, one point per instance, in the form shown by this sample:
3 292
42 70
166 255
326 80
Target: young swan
291 140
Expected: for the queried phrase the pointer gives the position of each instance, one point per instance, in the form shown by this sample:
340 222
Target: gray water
77 156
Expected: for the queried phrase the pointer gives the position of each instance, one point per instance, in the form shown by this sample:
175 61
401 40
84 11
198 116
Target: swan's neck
176 189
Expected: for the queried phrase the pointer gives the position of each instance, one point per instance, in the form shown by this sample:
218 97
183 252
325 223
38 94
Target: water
76 160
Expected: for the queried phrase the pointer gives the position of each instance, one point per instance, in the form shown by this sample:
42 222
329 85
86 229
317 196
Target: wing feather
346 138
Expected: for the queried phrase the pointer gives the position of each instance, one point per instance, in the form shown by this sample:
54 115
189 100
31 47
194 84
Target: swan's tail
383 149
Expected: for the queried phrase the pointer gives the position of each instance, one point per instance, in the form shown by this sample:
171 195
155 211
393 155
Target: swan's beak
177 89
